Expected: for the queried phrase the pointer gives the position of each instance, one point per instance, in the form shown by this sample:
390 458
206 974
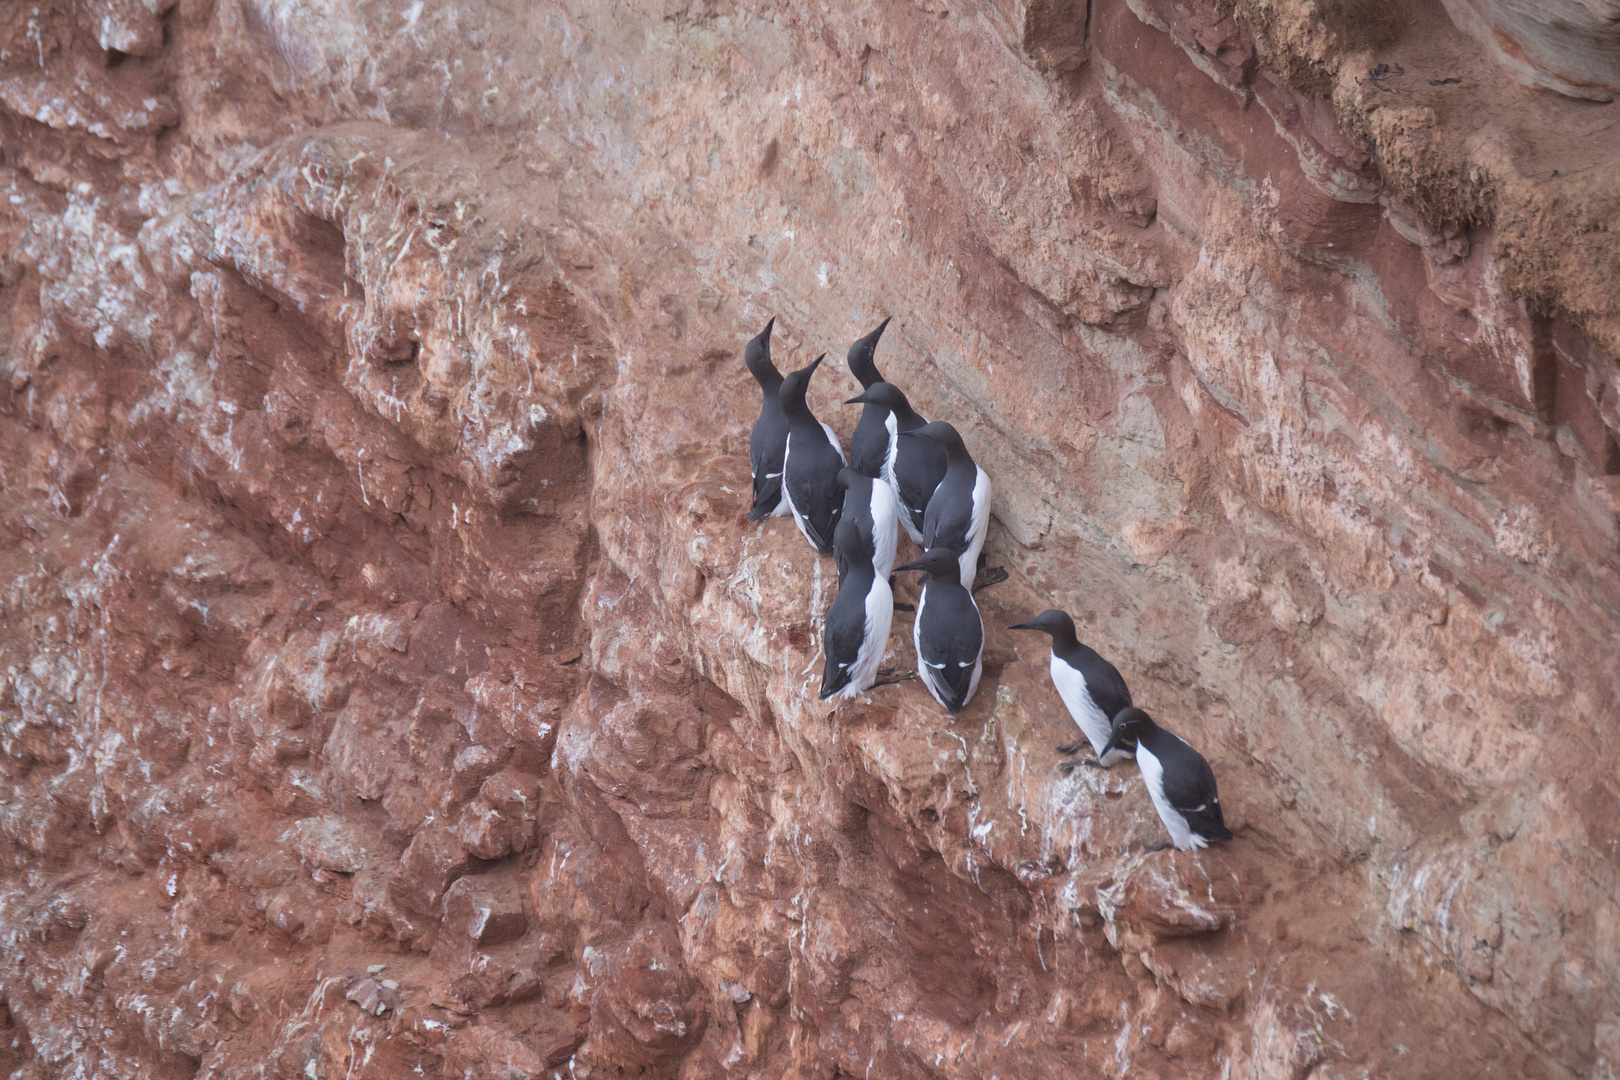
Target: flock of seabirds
904 471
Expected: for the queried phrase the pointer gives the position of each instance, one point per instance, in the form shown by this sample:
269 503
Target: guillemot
1090 687
810 464
1178 779
948 633
857 628
869 504
767 443
912 467
958 513
869 446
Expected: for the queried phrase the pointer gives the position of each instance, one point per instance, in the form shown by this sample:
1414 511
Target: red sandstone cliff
392 687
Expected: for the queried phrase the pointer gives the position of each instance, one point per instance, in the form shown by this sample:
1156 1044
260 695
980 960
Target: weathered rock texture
392 686
1571 46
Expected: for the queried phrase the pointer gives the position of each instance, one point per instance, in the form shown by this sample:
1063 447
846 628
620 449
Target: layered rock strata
392 684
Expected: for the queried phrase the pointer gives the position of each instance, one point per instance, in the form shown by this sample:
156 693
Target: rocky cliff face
392 685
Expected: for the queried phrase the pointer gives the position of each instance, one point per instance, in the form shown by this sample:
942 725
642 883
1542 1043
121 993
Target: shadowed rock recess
392 686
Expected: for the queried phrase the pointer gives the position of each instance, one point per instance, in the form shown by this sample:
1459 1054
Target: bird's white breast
978 661
1071 687
787 492
885 530
1153 776
927 673
894 448
879 614
833 438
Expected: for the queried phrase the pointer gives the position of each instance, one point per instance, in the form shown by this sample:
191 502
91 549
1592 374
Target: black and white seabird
948 633
1090 686
767 446
958 513
810 464
912 467
857 630
869 504
869 446
1178 779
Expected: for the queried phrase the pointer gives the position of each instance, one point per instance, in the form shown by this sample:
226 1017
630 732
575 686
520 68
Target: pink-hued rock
1571 46
484 911
376 594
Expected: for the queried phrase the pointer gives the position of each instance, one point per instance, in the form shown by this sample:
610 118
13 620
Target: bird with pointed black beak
1179 781
856 632
913 468
767 443
947 633
958 514
810 463
869 446
1092 689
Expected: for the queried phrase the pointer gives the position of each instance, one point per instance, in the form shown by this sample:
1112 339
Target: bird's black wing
949 517
954 634
817 494
919 466
869 446
959 678
1189 787
845 629
1103 680
857 507
767 448
821 516
767 494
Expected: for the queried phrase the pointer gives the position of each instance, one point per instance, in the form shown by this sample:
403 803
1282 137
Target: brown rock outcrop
391 683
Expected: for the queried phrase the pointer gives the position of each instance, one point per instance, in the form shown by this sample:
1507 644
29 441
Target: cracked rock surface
390 684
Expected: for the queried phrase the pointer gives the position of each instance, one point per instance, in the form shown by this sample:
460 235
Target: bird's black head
795 386
938 563
940 433
861 364
881 393
1129 726
853 479
758 356
850 545
1053 622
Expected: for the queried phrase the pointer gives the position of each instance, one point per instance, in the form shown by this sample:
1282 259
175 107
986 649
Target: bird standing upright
1178 779
1090 687
869 504
912 467
869 446
958 513
857 630
948 633
767 444
810 464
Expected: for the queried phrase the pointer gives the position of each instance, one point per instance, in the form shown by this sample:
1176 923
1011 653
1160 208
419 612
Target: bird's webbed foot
892 678
995 575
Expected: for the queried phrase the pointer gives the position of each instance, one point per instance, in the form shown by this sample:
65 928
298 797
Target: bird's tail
960 685
766 501
833 681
